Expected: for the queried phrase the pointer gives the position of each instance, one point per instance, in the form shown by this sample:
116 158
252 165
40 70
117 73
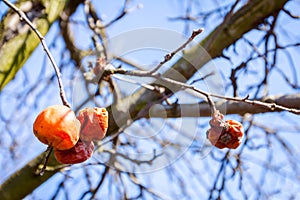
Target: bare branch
124 11
291 14
230 107
167 58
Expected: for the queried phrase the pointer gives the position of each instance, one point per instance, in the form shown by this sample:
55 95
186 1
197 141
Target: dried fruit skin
236 130
213 136
57 126
77 154
94 123
227 134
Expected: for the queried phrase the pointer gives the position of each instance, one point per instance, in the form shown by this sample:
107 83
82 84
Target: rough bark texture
245 19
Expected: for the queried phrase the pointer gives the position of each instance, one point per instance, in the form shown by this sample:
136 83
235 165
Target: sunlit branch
167 58
269 106
231 106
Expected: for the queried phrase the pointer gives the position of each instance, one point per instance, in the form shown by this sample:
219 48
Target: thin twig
169 56
202 78
290 14
124 12
45 161
270 106
136 161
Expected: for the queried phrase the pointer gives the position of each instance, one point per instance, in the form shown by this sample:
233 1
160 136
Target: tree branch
230 107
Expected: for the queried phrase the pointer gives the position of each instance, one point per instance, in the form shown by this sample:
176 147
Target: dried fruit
77 154
227 133
94 123
57 127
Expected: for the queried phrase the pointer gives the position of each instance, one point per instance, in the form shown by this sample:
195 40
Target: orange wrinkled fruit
58 127
94 123
225 134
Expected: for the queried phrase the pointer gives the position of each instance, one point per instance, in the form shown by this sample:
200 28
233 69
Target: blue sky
151 14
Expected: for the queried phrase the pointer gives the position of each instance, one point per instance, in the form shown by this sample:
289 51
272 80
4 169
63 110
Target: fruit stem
45 161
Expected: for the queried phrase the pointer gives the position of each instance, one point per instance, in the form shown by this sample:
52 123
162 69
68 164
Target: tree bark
245 19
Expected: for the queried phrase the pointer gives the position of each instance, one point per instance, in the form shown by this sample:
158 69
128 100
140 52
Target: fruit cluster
71 137
223 134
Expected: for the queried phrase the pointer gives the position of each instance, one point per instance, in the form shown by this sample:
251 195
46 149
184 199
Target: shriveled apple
58 127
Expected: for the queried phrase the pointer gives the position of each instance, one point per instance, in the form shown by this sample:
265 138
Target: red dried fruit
57 126
94 123
77 154
225 134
